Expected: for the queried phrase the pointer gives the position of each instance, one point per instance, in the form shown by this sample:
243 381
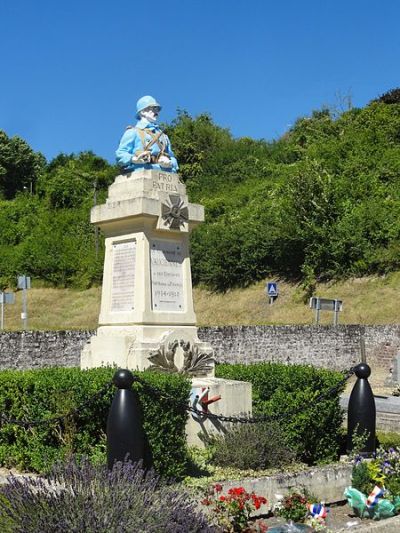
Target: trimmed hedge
283 391
41 394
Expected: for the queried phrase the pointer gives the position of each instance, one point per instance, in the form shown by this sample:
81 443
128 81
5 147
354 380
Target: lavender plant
78 497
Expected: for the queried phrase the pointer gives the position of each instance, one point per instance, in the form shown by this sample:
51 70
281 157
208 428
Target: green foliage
69 180
61 249
20 166
382 471
252 446
361 480
359 440
319 203
387 440
56 246
42 394
390 97
48 235
293 507
311 428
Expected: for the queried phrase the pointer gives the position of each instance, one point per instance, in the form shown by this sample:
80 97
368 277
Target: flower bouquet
375 485
301 511
232 511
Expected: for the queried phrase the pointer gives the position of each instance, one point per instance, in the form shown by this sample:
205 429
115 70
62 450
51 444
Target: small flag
318 510
374 496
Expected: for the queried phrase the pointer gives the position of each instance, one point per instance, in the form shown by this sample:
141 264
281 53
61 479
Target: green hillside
368 300
321 203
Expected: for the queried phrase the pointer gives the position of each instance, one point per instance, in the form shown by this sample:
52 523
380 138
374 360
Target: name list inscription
166 260
123 276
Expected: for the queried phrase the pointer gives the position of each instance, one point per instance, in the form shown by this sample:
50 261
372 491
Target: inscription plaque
123 276
166 259
166 182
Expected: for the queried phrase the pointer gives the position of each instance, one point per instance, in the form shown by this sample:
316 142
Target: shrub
293 507
257 446
361 479
81 497
289 394
42 394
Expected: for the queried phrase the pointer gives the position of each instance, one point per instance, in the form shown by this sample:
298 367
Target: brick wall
324 346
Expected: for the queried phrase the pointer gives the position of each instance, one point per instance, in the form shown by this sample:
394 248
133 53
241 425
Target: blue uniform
134 141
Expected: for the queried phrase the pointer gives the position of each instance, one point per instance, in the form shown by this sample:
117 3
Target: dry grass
366 301
50 309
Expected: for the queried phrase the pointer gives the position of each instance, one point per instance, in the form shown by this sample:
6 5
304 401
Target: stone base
235 401
393 379
131 346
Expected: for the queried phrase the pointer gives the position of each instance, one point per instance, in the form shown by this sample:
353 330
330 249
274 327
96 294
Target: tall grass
372 300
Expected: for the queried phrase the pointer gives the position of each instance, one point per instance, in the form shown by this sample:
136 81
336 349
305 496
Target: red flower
217 487
222 498
236 491
205 502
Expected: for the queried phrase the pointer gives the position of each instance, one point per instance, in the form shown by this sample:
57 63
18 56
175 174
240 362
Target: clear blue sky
71 71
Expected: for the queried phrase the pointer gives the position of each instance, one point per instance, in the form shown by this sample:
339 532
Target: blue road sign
272 288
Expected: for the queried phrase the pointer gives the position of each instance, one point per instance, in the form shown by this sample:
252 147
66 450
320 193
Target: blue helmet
145 101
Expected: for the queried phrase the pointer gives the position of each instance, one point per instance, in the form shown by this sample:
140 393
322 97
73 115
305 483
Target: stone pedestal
146 302
235 400
147 317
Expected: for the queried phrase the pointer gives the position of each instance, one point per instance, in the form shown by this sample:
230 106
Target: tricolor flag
318 510
374 496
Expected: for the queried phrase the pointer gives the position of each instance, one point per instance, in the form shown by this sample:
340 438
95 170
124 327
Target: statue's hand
164 161
142 157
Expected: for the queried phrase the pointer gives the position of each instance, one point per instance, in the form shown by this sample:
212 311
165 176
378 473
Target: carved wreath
194 362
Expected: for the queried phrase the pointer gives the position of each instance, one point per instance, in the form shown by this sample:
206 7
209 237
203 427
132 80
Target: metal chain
241 419
76 411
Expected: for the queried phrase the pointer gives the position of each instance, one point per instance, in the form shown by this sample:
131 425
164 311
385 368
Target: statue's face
150 113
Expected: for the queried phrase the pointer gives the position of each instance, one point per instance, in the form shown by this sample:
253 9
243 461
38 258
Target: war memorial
147 318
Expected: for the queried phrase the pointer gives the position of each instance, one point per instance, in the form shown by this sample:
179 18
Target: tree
20 166
71 179
390 97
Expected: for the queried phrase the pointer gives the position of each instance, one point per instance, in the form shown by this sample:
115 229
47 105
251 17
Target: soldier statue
146 146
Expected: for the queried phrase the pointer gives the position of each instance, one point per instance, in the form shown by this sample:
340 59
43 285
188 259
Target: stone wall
324 346
36 349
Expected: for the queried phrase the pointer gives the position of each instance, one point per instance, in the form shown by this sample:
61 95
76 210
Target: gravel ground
341 519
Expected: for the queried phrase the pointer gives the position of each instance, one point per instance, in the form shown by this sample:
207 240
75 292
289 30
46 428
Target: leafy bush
383 470
289 394
42 394
81 497
252 446
20 166
361 479
293 507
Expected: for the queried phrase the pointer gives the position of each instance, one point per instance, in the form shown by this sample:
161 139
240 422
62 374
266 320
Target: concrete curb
327 482
389 525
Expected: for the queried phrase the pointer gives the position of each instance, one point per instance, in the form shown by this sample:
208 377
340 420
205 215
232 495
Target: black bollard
361 417
125 436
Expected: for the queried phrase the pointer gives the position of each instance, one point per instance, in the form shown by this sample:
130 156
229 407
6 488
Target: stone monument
147 318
